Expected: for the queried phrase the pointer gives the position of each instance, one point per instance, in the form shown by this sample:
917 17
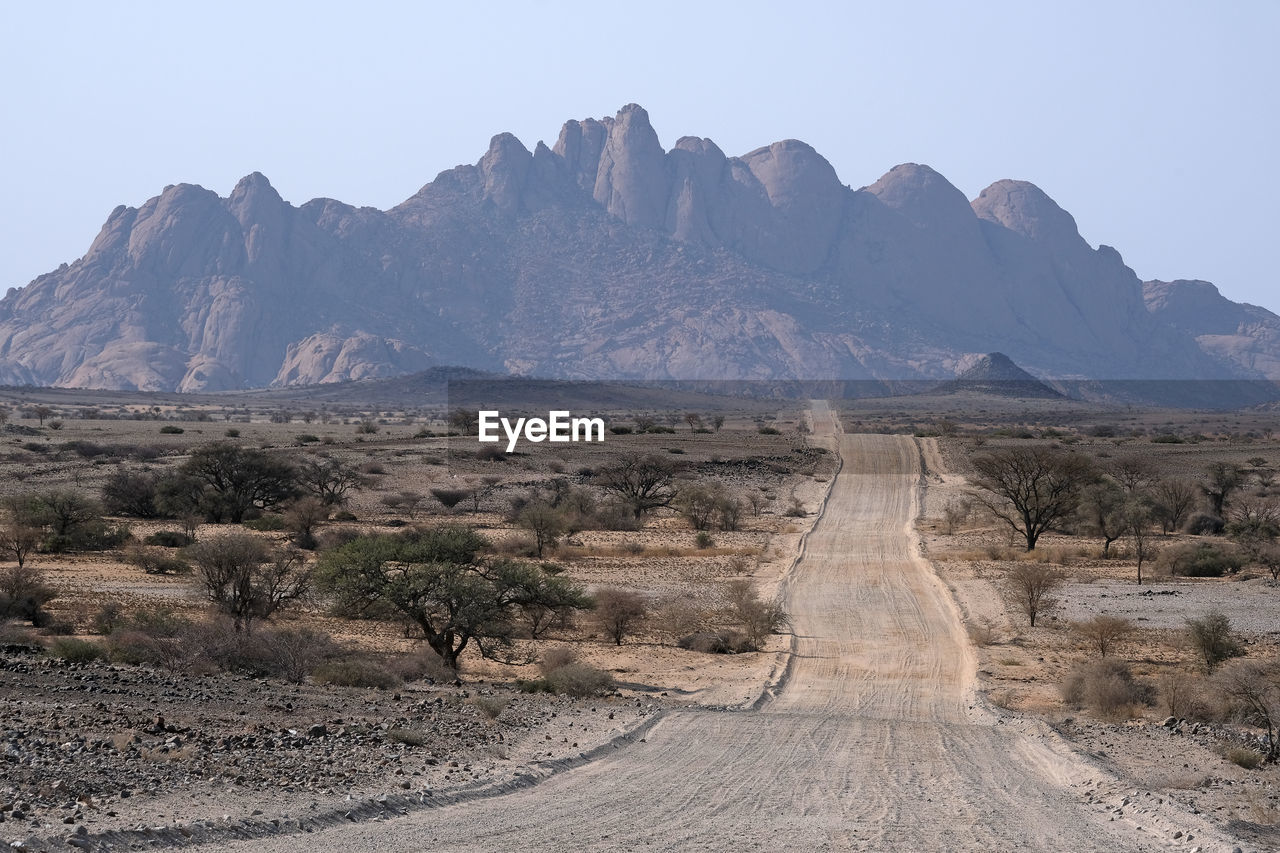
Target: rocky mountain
603 256
1240 335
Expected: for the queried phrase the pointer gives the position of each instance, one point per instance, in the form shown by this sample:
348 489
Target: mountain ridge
604 256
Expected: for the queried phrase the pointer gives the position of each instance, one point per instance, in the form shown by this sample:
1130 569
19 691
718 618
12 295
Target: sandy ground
876 741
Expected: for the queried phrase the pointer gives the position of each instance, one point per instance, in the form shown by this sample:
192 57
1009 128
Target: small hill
996 374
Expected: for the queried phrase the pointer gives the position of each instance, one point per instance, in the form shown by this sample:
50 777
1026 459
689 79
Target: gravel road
876 741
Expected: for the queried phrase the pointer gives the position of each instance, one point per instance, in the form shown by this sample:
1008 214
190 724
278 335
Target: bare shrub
556 657
23 594
545 522
302 518
155 561
679 616
1221 480
1182 696
1106 687
956 513
74 650
1243 757
1254 688
1032 585
408 501
131 493
757 617
355 672
1172 500
329 479
19 539
1212 638
1204 524
247 580
729 642
106 619
644 483
287 653
619 612
1104 632
983 632
422 664
491 706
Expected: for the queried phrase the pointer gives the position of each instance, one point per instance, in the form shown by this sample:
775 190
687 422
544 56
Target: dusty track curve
873 742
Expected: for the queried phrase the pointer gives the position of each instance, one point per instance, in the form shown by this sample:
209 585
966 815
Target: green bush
1200 560
74 650
1212 638
269 522
94 535
356 673
168 539
579 680
768 430
138 647
170 429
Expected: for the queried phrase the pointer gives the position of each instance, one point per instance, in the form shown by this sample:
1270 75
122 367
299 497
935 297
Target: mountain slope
603 256
1241 335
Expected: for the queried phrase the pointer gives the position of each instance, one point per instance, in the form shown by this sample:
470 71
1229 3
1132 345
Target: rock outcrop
1244 337
606 256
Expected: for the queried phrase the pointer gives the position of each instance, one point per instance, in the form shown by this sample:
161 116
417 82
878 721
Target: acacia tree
1102 507
545 522
18 539
1133 472
329 479
1031 488
645 483
64 510
1137 517
437 579
235 479
1172 499
1221 480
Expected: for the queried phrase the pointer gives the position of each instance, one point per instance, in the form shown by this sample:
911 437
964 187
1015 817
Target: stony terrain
113 747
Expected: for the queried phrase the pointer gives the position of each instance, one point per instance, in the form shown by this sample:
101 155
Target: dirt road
873 742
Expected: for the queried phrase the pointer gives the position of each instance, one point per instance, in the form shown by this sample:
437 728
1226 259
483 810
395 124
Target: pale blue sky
1154 123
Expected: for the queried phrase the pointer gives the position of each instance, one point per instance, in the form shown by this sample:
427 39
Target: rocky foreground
104 756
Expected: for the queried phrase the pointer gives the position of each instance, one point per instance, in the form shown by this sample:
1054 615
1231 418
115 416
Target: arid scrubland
212 604
1117 571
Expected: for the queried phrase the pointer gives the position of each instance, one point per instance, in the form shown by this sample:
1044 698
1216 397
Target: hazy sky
1155 124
